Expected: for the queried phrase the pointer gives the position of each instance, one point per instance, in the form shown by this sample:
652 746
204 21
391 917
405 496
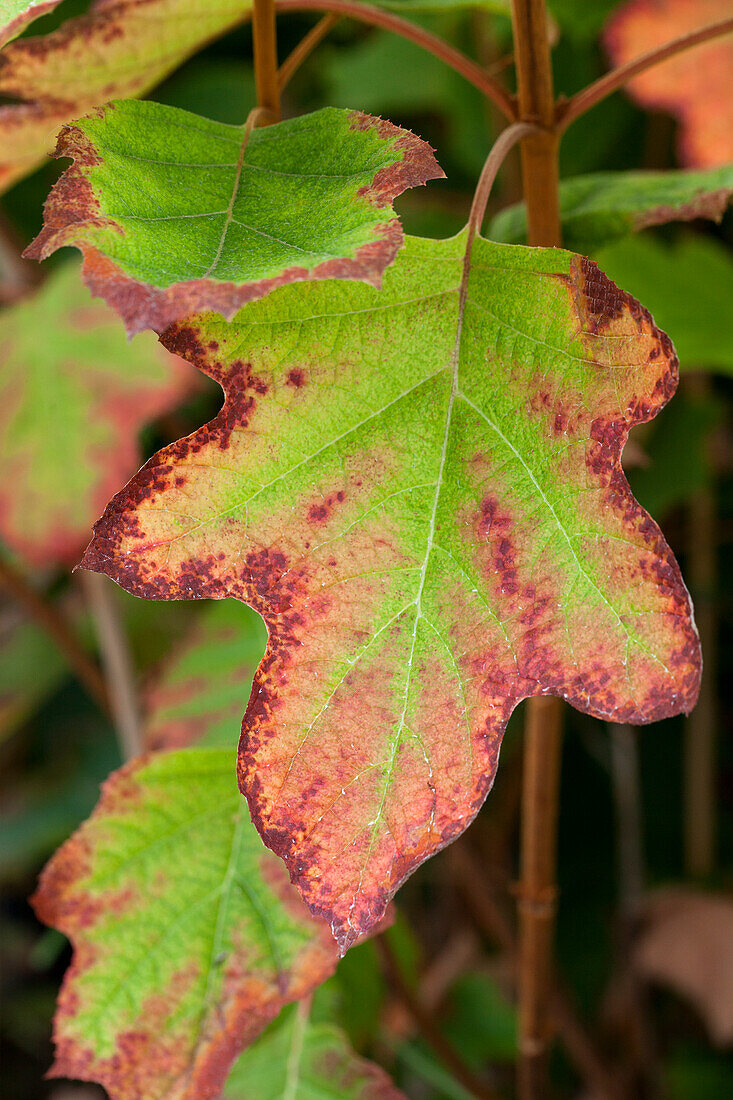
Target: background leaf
174 213
187 937
120 48
606 206
73 396
301 1060
696 86
447 534
16 15
197 697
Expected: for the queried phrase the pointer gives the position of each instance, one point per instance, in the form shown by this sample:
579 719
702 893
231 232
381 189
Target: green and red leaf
696 86
73 396
16 15
420 491
120 48
188 938
175 214
300 1059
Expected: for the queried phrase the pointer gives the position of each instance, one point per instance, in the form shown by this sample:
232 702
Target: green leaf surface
688 287
120 48
603 207
297 1059
175 213
16 15
197 696
73 395
188 939
419 489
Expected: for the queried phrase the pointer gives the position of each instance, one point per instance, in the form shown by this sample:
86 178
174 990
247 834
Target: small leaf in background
197 696
695 86
16 15
688 288
188 938
685 945
174 213
73 394
119 48
605 206
419 489
302 1060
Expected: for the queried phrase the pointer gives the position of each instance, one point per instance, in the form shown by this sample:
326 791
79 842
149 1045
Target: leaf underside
420 491
607 206
73 396
119 49
696 86
175 213
188 939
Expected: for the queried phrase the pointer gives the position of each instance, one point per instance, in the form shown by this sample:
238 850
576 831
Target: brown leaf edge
72 207
710 205
15 26
247 1006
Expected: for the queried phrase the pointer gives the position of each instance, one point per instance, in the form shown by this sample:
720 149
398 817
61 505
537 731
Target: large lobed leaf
695 86
299 1059
120 48
607 206
420 491
73 395
188 939
174 213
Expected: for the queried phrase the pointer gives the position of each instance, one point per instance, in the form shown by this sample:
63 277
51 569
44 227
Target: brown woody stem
611 82
427 1026
491 919
537 892
305 48
264 39
468 68
117 663
46 615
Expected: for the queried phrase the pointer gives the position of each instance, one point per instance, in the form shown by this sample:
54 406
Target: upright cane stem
264 40
543 731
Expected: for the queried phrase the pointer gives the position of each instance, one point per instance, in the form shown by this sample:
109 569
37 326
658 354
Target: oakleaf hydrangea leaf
420 491
607 206
73 395
120 48
188 938
688 286
696 86
301 1059
174 213
197 697
16 15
